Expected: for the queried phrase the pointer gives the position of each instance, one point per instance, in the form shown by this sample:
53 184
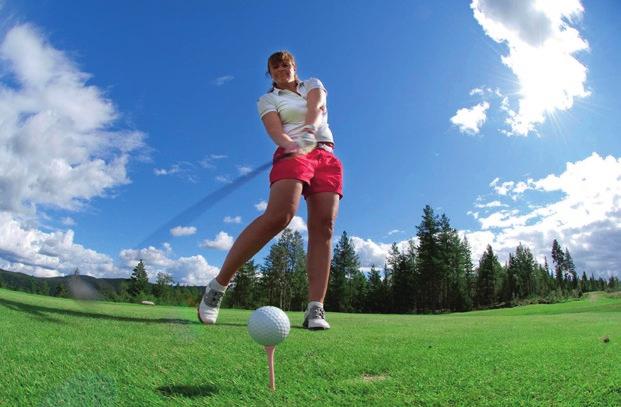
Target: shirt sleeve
265 105
314 83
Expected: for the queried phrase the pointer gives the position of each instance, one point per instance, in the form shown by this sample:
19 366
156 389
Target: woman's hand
291 147
301 145
307 142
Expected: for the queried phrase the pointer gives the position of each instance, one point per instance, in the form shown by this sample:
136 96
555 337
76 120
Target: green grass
56 352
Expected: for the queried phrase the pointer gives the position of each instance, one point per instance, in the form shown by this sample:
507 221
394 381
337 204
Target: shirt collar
278 90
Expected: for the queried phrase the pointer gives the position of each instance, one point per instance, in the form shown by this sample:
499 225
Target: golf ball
268 326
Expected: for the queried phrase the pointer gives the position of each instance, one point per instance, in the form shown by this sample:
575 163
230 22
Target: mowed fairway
57 352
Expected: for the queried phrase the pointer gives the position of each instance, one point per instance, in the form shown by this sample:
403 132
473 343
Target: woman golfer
294 111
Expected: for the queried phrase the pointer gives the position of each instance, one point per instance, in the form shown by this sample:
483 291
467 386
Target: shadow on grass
184 390
40 311
36 313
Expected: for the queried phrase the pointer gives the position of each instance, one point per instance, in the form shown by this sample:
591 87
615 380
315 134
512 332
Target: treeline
135 289
435 275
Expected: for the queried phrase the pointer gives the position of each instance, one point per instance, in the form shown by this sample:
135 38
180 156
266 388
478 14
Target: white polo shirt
292 108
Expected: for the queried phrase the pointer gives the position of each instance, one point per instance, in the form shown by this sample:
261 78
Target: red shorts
319 171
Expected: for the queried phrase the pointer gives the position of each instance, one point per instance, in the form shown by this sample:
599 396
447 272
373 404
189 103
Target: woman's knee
278 220
322 227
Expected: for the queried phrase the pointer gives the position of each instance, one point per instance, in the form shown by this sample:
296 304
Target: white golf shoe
209 306
315 317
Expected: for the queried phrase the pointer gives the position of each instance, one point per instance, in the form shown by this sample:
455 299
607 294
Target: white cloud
542 44
221 80
192 270
183 231
224 179
470 120
373 253
182 169
163 171
208 162
394 231
510 188
68 221
297 224
223 241
243 170
493 204
261 206
478 241
58 147
232 219
586 218
47 254
503 219
369 252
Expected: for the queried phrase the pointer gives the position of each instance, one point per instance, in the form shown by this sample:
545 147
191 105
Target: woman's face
282 72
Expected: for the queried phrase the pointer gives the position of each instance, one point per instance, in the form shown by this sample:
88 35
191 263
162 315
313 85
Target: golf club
307 144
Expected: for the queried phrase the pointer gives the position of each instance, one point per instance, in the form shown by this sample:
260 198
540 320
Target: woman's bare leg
281 207
322 210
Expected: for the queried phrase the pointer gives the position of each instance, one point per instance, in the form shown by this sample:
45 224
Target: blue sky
116 117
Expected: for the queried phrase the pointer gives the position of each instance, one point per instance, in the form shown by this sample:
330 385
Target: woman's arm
274 128
315 104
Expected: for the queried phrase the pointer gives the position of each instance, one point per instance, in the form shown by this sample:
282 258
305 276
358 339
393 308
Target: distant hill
24 282
111 289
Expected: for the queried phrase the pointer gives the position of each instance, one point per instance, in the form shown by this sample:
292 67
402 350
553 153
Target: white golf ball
268 325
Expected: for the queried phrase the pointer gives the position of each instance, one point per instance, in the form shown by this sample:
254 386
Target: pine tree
61 290
360 288
525 272
489 269
163 281
139 282
558 258
469 275
123 294
509 283
298 277
243 287
542 277
446 267
570 268
453 264
374 299
387 289
274 272
345 283
284 272
45 288
583 285
427 257
411 274
403 296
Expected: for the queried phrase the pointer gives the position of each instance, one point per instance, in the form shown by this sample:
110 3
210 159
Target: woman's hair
277 58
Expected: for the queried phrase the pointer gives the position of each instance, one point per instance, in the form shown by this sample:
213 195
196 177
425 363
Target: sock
217 286
312 303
